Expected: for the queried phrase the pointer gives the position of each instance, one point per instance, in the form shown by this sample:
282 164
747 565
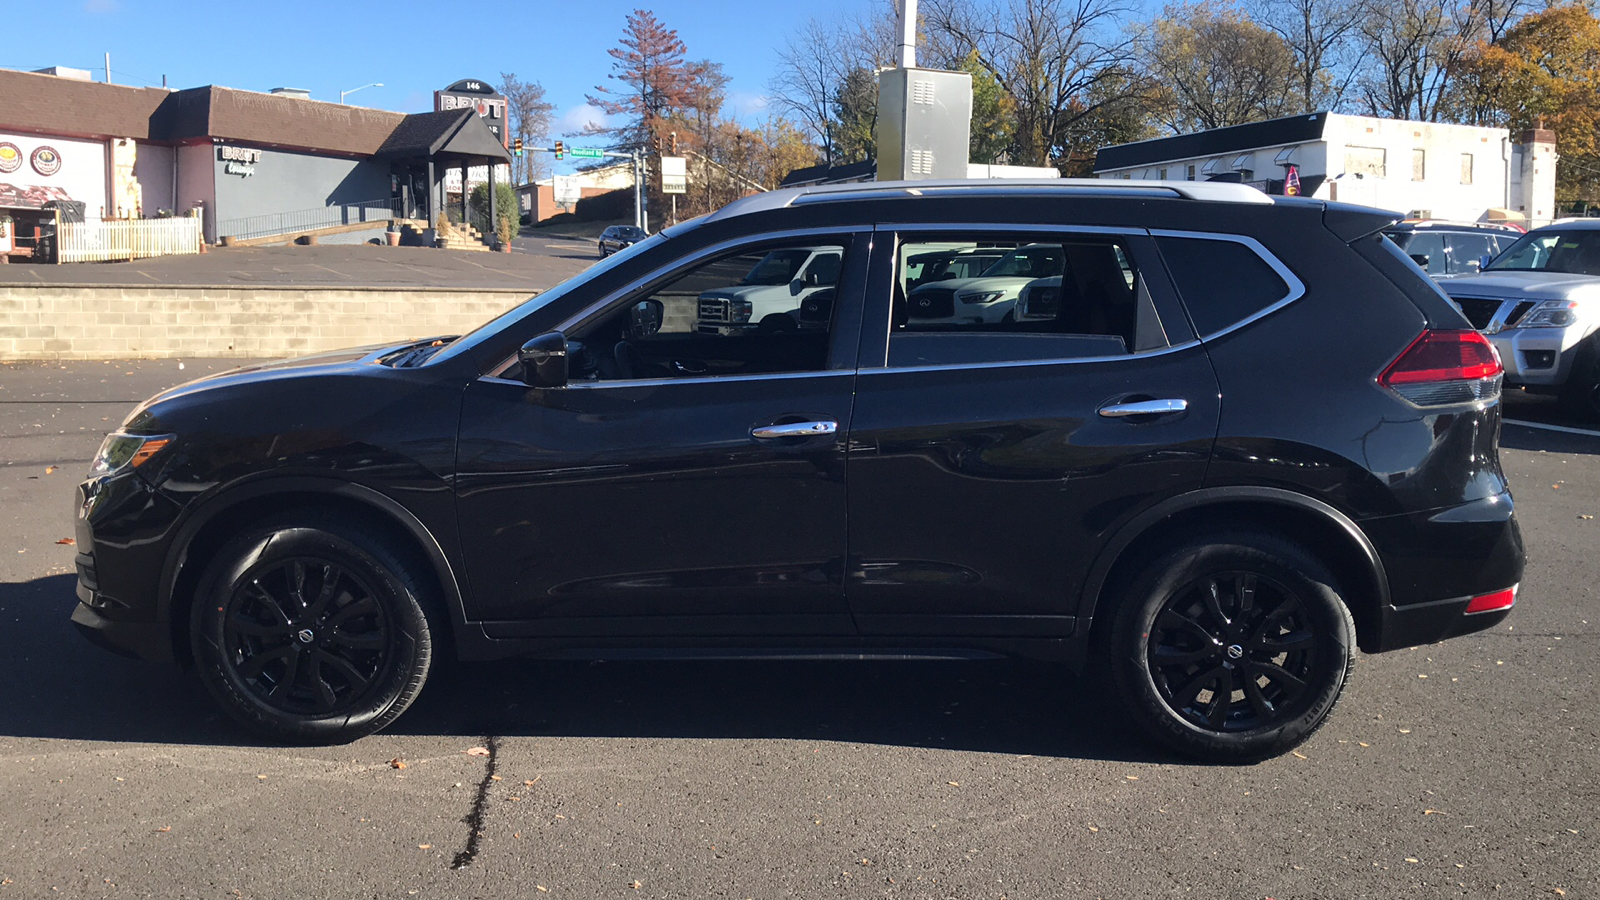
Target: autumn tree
655 80
529 114
1546 68
1215 67
994 115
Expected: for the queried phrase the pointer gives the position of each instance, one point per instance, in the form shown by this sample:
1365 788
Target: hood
1523 285
743 292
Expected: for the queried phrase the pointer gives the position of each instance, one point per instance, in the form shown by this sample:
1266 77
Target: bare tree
1061 61
1414 51
1321 34
825 60
529 116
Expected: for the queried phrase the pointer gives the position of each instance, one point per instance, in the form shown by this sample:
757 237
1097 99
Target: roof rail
1212 191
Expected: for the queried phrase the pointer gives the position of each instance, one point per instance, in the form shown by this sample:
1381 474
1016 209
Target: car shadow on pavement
61 686
1517 437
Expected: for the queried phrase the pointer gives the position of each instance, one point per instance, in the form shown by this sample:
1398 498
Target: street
1466 768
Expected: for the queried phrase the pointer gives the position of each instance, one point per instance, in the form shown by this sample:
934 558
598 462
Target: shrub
506 211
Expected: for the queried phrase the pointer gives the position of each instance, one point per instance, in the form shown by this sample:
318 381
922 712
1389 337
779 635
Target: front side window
761 310
1042 297
1574 252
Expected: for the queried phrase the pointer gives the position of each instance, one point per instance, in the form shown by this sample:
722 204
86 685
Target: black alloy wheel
307 637
312 630
1233 648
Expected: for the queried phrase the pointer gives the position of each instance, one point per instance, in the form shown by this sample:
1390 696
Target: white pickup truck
770 296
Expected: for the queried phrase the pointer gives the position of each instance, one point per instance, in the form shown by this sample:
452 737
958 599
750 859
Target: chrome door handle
1145 408
795 429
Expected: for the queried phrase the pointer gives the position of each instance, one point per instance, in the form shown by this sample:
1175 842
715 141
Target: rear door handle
795 429
1165 407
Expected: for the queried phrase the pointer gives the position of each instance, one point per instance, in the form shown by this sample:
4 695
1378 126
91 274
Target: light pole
343 94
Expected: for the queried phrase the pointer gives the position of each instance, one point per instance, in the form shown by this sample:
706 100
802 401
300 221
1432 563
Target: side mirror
644 320
1484 260
1420 259
544 360
796 286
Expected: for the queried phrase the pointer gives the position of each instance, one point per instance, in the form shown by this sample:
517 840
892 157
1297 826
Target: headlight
121 451
1551 314
982 297
740 310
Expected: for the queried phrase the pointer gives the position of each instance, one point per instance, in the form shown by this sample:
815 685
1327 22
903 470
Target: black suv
619 237
1450 248
1252 437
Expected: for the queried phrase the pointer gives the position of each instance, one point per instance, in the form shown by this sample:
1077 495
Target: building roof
1215 142
273 120
50 104
450 132
823 174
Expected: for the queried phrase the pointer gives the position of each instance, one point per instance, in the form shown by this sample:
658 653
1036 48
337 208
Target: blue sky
413 48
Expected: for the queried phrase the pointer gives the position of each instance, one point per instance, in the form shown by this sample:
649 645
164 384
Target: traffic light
674 143
655 142
561 150
517 146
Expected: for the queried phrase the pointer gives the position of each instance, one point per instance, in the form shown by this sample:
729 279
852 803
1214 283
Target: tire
778 323
1581 394
1172 645
311 630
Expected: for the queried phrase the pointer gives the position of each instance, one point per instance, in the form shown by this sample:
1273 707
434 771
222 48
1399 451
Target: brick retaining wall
100 322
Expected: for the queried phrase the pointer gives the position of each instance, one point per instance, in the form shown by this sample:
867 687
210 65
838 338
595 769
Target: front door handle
795 429
1165 407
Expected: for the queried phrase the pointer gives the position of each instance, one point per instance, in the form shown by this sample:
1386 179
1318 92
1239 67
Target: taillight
1491 602
1444 367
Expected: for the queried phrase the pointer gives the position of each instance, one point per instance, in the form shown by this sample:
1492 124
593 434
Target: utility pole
108 68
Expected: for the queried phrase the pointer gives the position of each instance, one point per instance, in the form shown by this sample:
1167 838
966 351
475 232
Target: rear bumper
1436 563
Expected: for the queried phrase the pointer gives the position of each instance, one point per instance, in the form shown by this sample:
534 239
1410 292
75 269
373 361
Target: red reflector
1444 356
1491 602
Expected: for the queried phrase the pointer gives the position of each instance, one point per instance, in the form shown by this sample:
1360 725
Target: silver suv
1538 302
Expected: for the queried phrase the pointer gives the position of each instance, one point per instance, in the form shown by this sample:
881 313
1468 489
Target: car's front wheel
1232 647
311 630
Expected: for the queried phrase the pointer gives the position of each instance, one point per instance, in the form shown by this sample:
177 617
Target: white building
1423 169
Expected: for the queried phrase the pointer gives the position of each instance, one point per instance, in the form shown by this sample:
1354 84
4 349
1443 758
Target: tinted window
1429 246
761 310
1576 252
1052 297
1467 249
1221 281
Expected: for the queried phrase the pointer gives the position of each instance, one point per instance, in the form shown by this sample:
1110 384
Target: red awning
29 197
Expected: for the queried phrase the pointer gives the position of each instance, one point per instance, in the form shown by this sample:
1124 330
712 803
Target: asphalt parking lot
1467 768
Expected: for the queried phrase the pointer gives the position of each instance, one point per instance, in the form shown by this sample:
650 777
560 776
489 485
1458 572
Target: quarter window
1215 302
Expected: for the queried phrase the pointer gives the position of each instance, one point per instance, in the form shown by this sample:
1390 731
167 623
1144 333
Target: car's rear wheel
311 630
1232 648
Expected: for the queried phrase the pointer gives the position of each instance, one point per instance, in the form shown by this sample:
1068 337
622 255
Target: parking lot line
1565 429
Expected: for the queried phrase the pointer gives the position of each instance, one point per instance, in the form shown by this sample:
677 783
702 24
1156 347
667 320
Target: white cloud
578 118
747 105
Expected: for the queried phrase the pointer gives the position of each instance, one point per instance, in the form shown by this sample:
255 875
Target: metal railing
126 239
306 220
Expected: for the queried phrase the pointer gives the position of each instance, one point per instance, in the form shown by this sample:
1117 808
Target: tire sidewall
1268 557
383 576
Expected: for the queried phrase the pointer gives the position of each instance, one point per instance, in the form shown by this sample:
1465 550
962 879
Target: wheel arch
1325 531
210 526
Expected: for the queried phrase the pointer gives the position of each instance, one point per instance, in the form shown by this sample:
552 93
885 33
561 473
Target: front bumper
1538 357
124 528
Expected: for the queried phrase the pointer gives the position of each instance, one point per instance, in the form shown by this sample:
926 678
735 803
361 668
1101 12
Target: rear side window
1221 281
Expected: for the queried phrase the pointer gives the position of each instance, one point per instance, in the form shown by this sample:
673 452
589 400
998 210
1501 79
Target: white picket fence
125 239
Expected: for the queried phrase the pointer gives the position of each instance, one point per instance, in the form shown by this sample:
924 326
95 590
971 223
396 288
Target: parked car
1538 302
770 295
988 298
1205 494
943 265
1450 248
618 237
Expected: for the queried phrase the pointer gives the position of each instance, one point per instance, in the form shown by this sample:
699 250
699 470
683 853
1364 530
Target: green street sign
586 153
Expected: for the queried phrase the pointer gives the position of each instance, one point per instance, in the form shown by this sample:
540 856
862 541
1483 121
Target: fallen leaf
494 777
478 751
424 846
67 541
1412 859
535 780
953 783
1363 743
50 470
397 763
1131 777
1302 755
1581 516
1558 892
542 889
1405 731
516 834
636 884
164 829
261 778
1094 830
1433 812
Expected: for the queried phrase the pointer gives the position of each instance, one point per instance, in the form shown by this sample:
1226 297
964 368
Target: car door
683 484
989 460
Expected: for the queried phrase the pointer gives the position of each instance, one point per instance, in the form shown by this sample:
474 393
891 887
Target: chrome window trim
692 259
1297 288
657 382
1014 363
919 227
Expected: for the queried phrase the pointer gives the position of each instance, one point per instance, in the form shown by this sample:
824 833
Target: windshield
470 339
777 267
1400 238
1576 252
629 231
1037 261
